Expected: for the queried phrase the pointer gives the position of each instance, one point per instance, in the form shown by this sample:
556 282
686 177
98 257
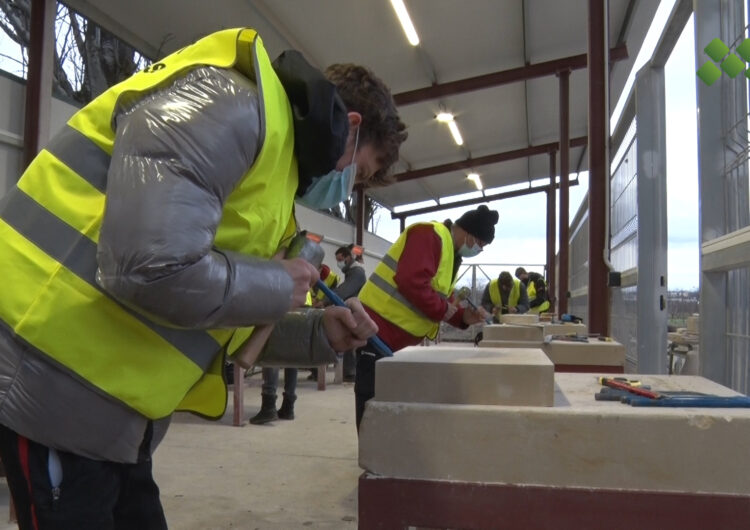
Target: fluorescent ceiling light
447 117
474 177
456 133
403 17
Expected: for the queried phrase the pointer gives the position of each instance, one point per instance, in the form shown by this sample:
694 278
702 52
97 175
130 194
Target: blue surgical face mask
329 190
469 252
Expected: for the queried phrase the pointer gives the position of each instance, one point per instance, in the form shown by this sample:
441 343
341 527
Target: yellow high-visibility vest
513 296
49 229
380 292
331 281
541 308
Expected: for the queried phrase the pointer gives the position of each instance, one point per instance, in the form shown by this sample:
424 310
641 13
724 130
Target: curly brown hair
363 92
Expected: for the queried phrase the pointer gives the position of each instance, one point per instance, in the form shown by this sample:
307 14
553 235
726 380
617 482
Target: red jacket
417 267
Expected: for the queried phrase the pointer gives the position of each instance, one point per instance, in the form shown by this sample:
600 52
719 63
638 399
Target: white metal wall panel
624 323
578 262
623 244
738 329
724 202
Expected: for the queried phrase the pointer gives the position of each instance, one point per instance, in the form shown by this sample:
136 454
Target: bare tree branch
16 20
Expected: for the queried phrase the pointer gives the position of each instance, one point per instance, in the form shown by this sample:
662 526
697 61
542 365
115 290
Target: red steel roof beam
504 77
487 159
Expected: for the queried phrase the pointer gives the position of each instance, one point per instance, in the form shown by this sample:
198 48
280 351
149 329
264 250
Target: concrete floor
283 475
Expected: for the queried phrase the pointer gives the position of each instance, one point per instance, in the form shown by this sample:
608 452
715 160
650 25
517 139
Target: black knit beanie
480 223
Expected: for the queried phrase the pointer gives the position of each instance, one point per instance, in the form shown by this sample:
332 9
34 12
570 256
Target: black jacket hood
321 125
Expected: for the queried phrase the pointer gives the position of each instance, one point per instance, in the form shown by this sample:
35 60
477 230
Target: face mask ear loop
356 143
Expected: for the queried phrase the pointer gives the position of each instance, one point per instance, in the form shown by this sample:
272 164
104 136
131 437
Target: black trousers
364 383
349 368
92 495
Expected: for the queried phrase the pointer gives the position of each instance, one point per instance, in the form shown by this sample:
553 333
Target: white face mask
341 265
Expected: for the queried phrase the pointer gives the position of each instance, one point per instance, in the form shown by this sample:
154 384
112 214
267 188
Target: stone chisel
374 341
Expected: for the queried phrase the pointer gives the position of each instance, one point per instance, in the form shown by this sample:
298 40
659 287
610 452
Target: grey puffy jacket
178 154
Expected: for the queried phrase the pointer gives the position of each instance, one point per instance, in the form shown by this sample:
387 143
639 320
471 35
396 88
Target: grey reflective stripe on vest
392 291
82 155
390 263
393 265
78 253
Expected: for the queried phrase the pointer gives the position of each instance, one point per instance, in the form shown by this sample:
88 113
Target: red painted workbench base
395 504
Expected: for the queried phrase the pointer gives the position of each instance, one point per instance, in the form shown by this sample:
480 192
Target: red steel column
598 299
562 300
551 202
39 78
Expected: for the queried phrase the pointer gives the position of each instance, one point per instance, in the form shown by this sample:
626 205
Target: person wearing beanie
408 294
479 223
505 294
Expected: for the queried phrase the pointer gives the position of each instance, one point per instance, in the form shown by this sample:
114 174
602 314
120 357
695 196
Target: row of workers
526 293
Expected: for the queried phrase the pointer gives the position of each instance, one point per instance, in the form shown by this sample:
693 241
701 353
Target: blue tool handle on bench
692 401
374 341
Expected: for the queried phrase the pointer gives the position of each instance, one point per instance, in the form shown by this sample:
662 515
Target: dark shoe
267 411
229 373
286 412
313 375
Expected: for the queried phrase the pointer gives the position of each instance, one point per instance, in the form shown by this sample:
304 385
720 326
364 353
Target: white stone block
579 442
564 328
537 344
513 333
527 318
466 375
593 352
694 323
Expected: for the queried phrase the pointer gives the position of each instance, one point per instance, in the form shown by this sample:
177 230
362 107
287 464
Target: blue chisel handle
373 341
692 401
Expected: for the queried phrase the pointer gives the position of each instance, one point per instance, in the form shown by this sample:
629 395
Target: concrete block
466 375
526 318
513 333
594 352
578 443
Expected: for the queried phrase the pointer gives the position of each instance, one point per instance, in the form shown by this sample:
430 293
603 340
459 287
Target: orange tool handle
632 389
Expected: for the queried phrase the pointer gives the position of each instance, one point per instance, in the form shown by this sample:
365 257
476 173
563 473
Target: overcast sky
520 237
